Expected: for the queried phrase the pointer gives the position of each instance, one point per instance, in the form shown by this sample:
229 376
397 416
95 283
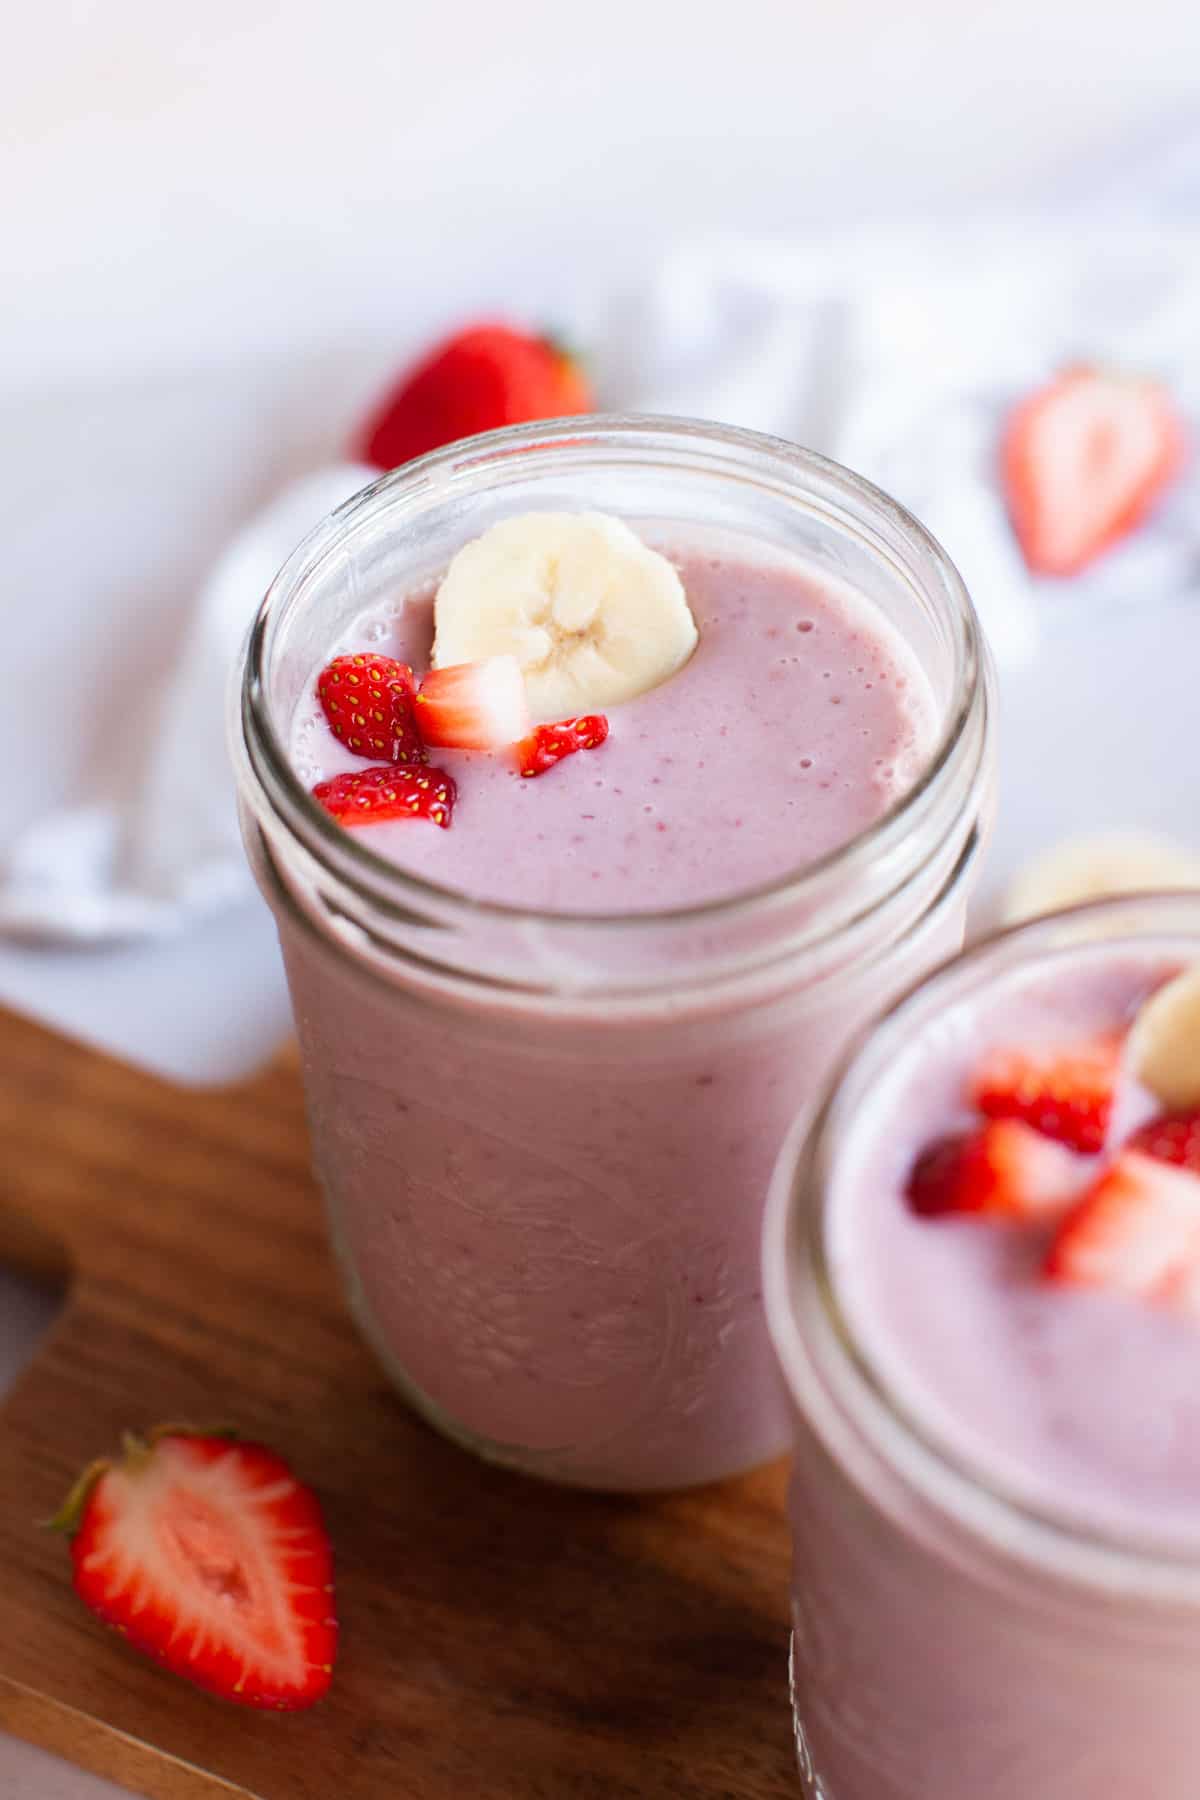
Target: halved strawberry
208 1555
1083 460
392 791
1004 1169
368 701
1136 1231
1173 1138
474 706
1066 1094
548 744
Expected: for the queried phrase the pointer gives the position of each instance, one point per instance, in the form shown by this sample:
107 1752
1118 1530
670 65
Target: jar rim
771 463
798 1217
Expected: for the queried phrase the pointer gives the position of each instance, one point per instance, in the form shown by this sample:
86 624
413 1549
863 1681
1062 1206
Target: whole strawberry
208 1555
478 380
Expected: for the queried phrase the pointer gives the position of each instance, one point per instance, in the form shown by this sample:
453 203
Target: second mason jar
996 1585
545 1137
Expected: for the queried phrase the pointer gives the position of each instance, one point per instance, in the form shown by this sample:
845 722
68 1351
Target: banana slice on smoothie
1094 867
591 613
1164 1045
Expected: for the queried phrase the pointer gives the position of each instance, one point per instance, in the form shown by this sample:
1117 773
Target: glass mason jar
545 1138
950 1637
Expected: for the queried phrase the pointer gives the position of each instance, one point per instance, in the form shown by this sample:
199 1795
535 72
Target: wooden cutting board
499 1637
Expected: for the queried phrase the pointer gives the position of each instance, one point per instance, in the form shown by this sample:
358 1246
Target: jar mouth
795 475
797 1242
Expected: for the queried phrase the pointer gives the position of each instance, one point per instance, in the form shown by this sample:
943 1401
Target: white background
181 180
221 224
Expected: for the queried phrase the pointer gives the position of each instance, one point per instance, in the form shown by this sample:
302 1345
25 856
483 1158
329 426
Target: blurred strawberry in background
478 380
1084 460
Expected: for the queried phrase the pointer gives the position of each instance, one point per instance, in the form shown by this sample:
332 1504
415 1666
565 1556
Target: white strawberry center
198 1542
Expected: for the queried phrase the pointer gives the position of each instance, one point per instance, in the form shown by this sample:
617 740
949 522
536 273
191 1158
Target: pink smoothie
797 721
549 1212
935 1658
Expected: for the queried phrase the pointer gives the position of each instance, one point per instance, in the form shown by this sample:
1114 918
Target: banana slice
1164 1045
593 615
1091 868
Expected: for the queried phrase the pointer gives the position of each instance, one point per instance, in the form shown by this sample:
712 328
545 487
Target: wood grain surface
499 1638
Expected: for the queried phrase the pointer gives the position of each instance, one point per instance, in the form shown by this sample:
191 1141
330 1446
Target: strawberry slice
389 791
1173 1138
209 1556
368 701
1004 1169
548 744
1083 460
1136 1231
474 706
1067 1095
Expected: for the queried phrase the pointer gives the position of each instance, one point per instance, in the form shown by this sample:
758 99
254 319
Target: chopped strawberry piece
1003 1169
481 378
474 706
1136 1231
368 701
1083 460
548 744
393 791
209 1556
1174 1138
1067 1095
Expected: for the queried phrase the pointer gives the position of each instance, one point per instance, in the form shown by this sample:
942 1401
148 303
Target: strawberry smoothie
996 1499
799 719
546 1084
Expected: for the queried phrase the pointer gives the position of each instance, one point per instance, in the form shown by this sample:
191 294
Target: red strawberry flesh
209 1556
1067 1095
391 791
546 745
474 706
1003 1169
368 701
1136 1231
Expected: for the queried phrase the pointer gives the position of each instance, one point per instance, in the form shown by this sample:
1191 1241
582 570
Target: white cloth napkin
898 355
162 849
